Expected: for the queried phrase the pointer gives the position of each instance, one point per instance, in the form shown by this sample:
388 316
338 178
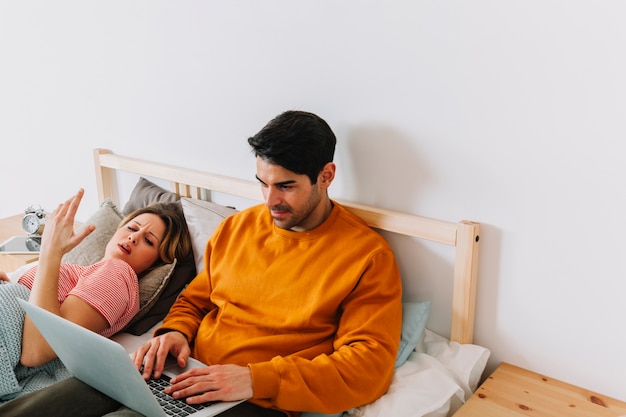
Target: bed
434 374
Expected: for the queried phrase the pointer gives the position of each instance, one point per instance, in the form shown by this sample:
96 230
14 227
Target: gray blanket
15 379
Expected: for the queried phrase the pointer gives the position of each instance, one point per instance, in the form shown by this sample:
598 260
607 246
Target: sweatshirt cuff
265 380
163 330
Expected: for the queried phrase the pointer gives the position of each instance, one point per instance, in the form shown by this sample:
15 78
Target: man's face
295 204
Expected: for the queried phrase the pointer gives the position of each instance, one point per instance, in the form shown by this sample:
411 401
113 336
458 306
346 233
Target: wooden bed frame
463 235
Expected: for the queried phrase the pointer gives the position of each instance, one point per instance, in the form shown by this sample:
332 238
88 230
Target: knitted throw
15 379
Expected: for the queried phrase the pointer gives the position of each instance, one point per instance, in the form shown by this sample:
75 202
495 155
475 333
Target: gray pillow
146 192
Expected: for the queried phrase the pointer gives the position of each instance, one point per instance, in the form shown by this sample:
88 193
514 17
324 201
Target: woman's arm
58 239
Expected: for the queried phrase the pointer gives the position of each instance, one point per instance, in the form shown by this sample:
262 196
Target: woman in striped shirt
102 297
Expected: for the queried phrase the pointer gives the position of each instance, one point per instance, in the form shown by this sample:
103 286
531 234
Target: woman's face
137 242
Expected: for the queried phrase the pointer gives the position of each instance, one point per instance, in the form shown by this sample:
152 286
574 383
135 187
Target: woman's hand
58 237
4 277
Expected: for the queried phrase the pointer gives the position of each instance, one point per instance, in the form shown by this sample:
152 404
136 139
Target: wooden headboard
463 236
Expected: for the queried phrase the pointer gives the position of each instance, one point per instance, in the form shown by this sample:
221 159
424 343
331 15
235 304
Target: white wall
509 113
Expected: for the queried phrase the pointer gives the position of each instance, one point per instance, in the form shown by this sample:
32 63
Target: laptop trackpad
172 369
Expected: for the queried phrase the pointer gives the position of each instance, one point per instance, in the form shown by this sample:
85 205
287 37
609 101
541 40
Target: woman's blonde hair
176 243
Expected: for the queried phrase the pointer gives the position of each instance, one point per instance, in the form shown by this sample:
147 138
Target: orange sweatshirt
315 315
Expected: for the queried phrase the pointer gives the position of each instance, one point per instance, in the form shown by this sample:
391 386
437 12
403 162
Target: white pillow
435 381
418 388
202 218
464 362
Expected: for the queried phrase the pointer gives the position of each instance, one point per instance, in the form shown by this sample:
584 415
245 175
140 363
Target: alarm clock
34 220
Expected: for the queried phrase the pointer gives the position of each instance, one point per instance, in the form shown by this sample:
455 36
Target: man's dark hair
299 141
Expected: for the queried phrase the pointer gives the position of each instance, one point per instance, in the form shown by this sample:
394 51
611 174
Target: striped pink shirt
110 287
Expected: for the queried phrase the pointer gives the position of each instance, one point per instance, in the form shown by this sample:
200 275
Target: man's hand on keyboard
151 357
213 383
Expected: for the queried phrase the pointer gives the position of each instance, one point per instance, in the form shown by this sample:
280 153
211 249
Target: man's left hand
213 383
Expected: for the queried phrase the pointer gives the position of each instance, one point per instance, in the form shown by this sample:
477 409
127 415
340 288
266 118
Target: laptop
106 366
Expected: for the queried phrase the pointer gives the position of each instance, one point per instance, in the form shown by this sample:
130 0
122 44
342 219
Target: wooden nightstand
12 226
514 391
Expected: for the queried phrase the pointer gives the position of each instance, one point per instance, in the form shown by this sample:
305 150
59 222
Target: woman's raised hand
59 236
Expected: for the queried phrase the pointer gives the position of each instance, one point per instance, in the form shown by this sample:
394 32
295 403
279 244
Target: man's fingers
210 383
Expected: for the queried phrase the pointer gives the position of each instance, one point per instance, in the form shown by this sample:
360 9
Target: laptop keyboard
170 405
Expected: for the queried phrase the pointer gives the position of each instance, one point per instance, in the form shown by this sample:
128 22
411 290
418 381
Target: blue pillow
414 318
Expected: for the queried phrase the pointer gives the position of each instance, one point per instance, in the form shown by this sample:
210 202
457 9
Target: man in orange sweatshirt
298 307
